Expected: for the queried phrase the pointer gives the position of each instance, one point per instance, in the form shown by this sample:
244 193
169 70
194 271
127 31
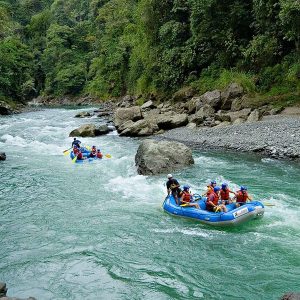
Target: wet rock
83 114
89 130
2 156
155 157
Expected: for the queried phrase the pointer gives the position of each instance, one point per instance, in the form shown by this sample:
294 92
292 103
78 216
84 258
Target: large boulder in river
89 130
2 156
83 114
123 115
155 157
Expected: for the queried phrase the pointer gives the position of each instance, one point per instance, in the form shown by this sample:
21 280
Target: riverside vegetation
109 48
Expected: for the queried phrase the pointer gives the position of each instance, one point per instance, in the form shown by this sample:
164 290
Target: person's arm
250 198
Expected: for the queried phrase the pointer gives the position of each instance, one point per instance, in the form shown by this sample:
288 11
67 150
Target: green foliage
212 79
16 67
113 47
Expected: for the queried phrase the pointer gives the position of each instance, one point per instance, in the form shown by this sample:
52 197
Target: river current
97 230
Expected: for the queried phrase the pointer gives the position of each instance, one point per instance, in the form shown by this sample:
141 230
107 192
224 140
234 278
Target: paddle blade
107 155
268 204
66 152
74 159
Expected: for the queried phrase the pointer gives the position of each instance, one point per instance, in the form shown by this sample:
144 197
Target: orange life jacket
99 155
241 197
186 196
224 194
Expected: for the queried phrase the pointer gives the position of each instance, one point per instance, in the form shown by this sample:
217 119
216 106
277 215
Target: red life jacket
214 198
241 197
79 155
99 155
224 195
75 151
186 196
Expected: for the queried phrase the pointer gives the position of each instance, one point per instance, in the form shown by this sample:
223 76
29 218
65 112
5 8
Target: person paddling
76 143
79 155
224 194
210 188
186 197
212 201
93 153
99 154
241 196
173 187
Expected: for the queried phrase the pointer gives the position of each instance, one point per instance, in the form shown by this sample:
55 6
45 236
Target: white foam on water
189 231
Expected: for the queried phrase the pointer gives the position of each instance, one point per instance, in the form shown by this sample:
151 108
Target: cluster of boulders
5 109
3 291
214 108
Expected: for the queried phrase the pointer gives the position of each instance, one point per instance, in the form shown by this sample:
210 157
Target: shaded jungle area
109 48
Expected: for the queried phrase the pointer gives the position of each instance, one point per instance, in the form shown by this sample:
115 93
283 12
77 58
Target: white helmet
169 176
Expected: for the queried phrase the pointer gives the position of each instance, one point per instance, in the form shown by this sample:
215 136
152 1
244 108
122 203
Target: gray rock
234 90
139 128
193 105
241 114
2 156
86 130
212 98
155 157
125 114
101 129
191 125
254 116
222 116
169 121
183 94
238 121
148 105
83 114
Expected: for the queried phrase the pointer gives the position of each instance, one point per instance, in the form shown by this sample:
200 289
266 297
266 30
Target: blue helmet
213 182
224 185
243 188
186 187
216 189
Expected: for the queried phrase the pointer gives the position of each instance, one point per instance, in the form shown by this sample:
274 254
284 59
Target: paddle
265 204
107 155
74 159
65 152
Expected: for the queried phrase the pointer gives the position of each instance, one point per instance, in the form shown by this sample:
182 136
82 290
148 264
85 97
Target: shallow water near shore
97 230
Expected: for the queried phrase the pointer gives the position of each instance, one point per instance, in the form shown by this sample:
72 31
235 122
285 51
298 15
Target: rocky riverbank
276 136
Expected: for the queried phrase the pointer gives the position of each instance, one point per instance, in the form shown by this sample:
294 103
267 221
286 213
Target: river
97 230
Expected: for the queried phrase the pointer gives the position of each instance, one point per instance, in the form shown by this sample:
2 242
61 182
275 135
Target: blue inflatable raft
234 216
85 154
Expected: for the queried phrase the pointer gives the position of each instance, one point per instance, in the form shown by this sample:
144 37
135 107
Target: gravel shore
276 136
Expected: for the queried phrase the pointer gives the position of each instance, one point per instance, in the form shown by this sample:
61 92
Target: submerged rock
155 157
2 156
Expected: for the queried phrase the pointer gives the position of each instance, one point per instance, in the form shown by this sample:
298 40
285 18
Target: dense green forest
108 48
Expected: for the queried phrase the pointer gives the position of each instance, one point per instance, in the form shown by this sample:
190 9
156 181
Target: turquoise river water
97 230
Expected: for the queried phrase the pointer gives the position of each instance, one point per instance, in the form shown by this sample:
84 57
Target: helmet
224 185
98 150
216 189
213 182
75 146
243 188
169 176
93 146
186 187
